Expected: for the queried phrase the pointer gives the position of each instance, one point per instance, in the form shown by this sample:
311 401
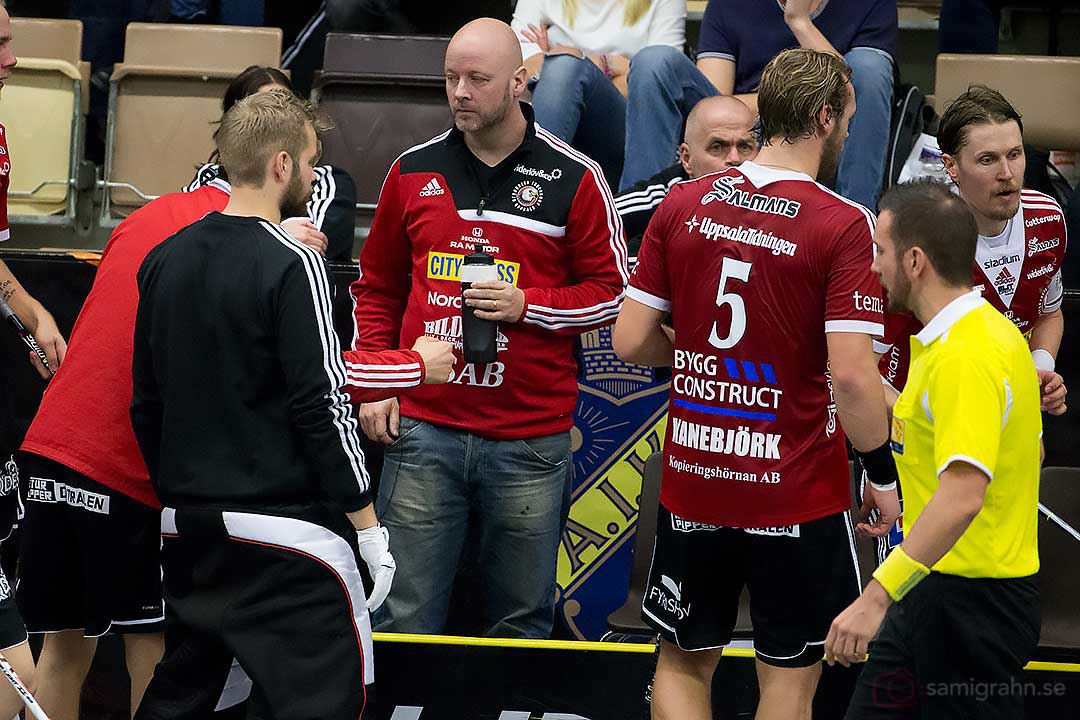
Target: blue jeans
862 166
518 494
664 85
577 103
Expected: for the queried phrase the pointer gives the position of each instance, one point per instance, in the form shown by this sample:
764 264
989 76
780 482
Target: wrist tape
879 466
900 573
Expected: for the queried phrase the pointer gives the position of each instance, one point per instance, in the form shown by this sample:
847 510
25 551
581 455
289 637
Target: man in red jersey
90 551
496 441
1021 243
1019 252
767 275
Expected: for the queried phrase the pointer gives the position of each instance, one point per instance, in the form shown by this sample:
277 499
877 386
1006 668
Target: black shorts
800 578
954 647
90 556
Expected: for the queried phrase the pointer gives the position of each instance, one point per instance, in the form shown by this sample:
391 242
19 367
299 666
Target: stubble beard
295 200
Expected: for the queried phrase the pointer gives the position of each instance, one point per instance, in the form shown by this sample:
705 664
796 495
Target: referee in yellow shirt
955 609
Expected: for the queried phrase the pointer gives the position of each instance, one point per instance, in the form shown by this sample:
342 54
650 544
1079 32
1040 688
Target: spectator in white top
578 56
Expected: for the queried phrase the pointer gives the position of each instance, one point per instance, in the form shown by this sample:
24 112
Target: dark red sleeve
895 348
597 249
382 290
853 296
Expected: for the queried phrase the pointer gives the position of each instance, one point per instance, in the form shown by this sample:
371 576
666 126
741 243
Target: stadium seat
1029 82
56 39
45 100
163 101
385 94
1059 576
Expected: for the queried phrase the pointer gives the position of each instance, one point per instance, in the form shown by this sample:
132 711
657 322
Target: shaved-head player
719 134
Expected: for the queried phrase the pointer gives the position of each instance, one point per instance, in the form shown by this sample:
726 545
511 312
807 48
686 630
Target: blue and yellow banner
620 422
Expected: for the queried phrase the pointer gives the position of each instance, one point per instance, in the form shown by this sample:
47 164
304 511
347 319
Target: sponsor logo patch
724 190
51 491
896 435
1039 272
999 261
432 188
1040 220
527 196
548 175
1038 246
447 266
9 477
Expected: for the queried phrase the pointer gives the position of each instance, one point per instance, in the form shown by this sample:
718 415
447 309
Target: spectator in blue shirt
738 38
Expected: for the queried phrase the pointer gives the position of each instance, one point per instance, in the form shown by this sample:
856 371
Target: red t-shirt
756 265
1018 272
83 421
5 180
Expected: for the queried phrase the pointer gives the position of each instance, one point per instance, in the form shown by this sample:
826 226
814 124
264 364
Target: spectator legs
664 85
422 502
576 102
522 490
862 165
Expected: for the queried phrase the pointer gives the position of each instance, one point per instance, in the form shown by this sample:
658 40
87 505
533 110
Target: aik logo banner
620 421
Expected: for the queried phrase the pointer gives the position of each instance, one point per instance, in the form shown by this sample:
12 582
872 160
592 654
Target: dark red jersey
756 265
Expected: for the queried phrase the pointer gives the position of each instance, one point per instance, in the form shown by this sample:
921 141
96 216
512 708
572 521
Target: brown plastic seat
163 102
45 100
55 39
1059 575
223 47
1046 91
385 94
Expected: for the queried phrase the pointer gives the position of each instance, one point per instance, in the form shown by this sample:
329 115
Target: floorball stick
27 698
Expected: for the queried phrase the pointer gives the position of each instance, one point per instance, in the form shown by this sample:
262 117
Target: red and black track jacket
547 216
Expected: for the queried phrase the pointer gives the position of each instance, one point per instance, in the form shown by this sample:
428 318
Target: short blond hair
795 86
258 127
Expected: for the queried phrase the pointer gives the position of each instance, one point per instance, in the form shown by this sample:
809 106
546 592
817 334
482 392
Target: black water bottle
478 336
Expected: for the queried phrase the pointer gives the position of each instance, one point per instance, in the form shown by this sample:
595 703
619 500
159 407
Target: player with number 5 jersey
766 274
753 437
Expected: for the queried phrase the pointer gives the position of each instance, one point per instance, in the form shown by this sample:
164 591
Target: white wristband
1043 360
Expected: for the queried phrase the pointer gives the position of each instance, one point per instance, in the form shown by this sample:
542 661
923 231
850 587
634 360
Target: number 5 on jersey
737 270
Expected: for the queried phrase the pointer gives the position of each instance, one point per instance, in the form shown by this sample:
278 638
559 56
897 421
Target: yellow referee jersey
973 395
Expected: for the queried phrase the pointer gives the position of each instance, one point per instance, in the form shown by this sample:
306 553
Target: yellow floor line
644 648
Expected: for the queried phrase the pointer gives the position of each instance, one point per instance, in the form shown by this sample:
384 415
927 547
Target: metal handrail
70 182
126 186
